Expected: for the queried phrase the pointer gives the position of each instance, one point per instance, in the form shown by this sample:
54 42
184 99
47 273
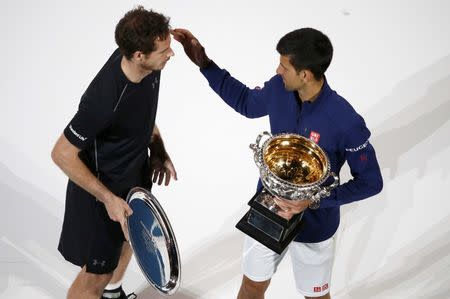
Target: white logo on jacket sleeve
358 148
79 136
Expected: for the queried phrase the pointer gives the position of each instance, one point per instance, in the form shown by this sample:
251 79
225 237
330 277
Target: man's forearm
156 145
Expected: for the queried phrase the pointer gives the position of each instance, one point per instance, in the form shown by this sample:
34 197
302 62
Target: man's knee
253 289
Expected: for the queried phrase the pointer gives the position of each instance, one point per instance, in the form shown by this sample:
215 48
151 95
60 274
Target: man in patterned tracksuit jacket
299 100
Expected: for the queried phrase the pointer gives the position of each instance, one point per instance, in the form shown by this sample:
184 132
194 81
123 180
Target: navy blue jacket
329 120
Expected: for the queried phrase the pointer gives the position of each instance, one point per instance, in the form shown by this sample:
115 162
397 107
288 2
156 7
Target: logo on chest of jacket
314 136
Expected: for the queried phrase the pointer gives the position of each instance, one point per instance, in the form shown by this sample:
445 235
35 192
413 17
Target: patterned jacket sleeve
366 176
246 101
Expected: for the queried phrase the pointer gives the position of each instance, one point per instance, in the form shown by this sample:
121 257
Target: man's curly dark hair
139 29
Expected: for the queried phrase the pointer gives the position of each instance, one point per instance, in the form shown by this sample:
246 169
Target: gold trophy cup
291 167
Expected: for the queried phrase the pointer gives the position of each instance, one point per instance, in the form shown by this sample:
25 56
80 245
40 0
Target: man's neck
133 71
311 91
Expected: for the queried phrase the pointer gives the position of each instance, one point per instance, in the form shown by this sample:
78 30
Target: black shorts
89 237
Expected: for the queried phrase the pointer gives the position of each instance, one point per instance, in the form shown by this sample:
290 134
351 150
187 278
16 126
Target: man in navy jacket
299 100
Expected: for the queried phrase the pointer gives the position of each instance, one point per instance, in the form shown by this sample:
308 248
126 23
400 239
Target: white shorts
312 264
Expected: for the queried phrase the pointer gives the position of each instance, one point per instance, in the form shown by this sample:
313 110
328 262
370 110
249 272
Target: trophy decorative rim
170 244
306 186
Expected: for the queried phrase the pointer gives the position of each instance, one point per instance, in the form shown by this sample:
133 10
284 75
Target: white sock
113 286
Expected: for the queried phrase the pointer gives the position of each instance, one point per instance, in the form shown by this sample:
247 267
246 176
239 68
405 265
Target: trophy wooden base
263 224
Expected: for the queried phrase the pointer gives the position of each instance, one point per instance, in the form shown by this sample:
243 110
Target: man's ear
302 75
309 76
138 56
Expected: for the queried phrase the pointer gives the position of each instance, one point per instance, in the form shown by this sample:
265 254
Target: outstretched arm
192 47
248 102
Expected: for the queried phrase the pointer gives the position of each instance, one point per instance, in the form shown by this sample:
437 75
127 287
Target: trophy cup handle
334 184
256 146
325 191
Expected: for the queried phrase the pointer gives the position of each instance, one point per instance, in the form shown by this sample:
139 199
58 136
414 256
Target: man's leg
252 289
259 263
88 285
313 263
125 257
114 286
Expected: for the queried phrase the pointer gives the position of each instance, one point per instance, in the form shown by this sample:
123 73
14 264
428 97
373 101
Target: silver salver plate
153 241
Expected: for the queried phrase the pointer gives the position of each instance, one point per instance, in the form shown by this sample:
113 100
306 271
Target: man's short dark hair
307 48
138 30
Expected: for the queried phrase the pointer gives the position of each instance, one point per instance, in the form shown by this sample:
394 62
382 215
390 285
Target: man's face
292 79
157 59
